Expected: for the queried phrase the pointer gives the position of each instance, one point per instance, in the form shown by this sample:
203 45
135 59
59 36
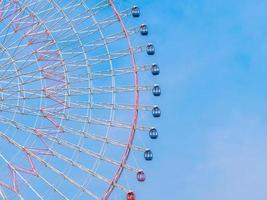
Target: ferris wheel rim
136 102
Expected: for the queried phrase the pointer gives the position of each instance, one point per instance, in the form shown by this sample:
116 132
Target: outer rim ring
136 103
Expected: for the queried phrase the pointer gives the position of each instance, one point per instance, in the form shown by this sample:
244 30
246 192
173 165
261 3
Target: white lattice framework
69 99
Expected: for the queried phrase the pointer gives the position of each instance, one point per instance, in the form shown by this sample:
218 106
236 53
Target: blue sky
213 137
213 56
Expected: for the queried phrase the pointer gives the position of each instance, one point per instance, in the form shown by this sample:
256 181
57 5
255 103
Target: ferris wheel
74 99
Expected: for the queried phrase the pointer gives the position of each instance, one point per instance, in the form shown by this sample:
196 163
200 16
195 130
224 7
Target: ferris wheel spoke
73 163
95 45
52 186
92 30
102 58
102 74
73 104
49 166
65 15
30 75
20 68
14 177
61 141
68 10
85 169
87 151
102 139
109 39
75 132
22 9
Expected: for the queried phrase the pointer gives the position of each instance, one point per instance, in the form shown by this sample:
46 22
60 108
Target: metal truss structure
70 99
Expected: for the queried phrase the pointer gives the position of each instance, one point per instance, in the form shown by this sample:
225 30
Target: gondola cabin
155 69
135 11
141 177
153 133
156 112
150 49
143 29
156 90
130 196
148 155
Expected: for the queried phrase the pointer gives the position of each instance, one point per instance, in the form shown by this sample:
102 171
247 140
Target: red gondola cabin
131 196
